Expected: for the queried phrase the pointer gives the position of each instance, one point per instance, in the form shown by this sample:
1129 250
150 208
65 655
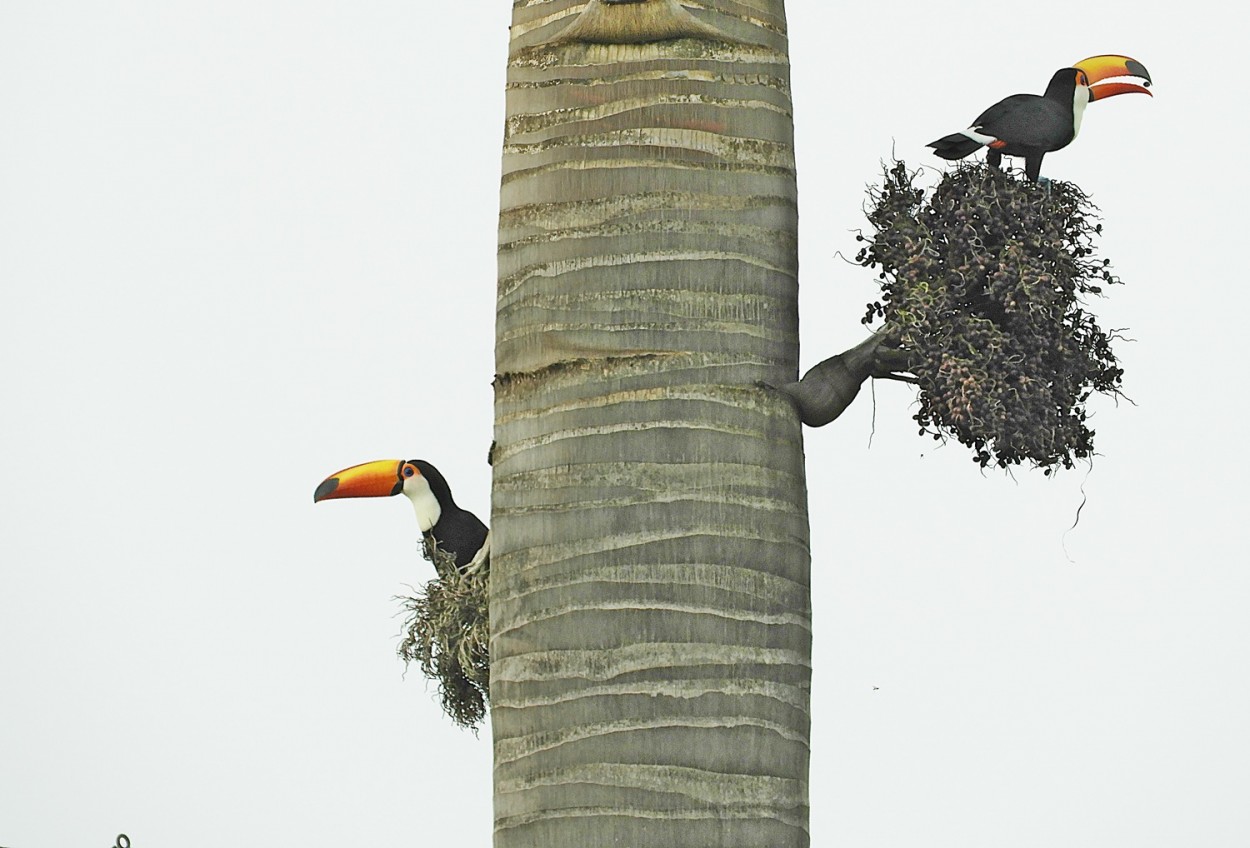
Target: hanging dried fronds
447 633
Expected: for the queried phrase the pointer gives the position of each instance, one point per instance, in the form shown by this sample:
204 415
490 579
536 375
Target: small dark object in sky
983 282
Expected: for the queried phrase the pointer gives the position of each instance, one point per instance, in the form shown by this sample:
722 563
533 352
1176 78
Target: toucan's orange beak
1103 72
369 480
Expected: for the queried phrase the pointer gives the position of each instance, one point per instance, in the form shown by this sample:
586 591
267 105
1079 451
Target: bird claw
479 559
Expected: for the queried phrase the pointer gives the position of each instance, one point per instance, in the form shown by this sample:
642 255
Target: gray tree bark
650 605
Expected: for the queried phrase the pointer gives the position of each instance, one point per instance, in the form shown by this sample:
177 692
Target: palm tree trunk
650 608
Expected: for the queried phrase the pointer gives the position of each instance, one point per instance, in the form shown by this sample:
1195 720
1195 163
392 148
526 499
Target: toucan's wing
462 534
1026 120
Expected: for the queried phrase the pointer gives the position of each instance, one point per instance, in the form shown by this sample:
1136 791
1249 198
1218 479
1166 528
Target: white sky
243 245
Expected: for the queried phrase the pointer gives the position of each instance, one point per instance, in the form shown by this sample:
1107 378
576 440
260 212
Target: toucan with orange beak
454 530
1032 125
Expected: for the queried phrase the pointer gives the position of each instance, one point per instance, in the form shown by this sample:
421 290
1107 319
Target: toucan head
415 478
1107 76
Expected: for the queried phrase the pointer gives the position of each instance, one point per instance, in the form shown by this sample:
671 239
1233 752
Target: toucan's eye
409 471
1081 79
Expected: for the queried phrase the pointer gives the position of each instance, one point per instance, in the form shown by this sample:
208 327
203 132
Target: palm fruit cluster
983 283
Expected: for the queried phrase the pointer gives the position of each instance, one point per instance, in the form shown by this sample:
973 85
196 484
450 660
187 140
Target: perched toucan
1031 126
454 530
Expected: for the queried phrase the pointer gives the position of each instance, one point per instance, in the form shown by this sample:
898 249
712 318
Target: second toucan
1032 125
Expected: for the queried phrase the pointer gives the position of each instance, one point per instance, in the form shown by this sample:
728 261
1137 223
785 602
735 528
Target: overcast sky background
246 244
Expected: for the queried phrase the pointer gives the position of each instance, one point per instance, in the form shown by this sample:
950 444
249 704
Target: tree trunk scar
637 22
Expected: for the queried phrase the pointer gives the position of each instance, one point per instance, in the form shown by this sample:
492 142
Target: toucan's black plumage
454 530
1032 125
457 531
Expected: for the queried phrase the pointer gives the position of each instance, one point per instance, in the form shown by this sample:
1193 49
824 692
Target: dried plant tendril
447 633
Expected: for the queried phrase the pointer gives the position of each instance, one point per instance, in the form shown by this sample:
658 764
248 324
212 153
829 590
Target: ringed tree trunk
650 605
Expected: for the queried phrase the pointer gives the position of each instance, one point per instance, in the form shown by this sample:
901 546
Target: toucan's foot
480 559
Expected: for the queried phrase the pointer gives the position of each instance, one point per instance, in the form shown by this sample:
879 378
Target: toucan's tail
954 146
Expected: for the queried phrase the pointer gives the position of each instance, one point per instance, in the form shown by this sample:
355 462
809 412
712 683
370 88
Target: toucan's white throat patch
1080 99
417 490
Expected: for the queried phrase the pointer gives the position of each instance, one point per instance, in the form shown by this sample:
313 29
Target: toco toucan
454 530
1032 125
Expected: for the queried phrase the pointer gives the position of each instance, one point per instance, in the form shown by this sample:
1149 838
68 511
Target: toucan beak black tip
325 489
1137 69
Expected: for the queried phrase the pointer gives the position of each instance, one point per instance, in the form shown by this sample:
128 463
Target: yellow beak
1105 73
369 480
